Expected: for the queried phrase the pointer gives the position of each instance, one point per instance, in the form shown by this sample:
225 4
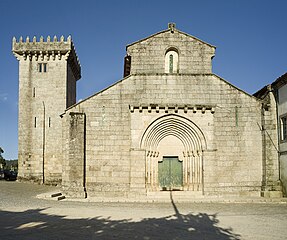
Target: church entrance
170 173
174 152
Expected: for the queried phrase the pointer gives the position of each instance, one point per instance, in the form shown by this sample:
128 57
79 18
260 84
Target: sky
250 36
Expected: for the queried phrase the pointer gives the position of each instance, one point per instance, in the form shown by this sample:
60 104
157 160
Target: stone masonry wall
271 186
73 181
47 76
232 162
270 137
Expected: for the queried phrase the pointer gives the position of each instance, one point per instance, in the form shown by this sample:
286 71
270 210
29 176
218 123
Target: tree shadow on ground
34 224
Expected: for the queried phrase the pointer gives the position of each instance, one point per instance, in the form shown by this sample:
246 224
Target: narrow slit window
35 122
40 67
49 122
236 116
34 92
44 67
171 63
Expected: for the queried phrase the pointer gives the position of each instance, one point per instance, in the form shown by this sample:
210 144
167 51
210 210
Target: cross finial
171 26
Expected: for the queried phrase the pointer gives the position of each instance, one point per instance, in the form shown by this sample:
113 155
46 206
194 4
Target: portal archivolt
169 138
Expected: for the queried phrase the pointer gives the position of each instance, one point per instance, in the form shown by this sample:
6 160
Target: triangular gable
174 30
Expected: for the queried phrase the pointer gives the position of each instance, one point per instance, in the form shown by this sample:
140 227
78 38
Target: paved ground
23 216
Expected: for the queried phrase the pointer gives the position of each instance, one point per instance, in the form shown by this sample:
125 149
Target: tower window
35 122
171 61
42 67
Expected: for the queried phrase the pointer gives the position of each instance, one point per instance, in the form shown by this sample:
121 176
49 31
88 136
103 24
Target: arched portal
173 142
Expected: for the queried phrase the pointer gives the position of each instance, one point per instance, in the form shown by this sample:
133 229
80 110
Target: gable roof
281 81
278 83
171 28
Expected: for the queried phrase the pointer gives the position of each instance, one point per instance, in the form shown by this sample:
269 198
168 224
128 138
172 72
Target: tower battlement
48 50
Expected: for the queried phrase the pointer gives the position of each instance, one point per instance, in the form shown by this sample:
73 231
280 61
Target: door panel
170 173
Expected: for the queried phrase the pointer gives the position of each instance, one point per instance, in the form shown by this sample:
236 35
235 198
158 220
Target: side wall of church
282 112
270 141
271 185
115 160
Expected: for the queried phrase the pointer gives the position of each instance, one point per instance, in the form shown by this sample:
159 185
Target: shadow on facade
33 224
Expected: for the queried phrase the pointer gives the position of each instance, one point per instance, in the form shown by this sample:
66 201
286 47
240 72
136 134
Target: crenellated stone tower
48 71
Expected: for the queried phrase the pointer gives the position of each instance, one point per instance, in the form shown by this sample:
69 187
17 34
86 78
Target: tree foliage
12 165
2 160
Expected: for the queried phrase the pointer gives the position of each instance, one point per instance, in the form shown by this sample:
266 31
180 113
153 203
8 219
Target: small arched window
171 61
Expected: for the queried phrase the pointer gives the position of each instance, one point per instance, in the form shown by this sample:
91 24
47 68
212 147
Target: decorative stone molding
172 108
152 153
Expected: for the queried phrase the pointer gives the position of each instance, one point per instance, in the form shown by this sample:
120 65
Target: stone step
56 194
61 197
272 194
174 195
273 191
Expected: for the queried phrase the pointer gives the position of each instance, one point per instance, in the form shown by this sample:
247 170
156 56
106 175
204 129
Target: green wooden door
170 173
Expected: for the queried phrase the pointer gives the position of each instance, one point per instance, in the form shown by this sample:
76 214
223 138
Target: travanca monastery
170 124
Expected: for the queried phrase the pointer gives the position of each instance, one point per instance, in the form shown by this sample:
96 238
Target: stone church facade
170 124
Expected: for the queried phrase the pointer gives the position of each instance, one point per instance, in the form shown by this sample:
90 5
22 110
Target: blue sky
250 36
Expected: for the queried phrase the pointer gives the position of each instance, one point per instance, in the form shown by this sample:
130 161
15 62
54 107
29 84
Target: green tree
12 164
2 160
